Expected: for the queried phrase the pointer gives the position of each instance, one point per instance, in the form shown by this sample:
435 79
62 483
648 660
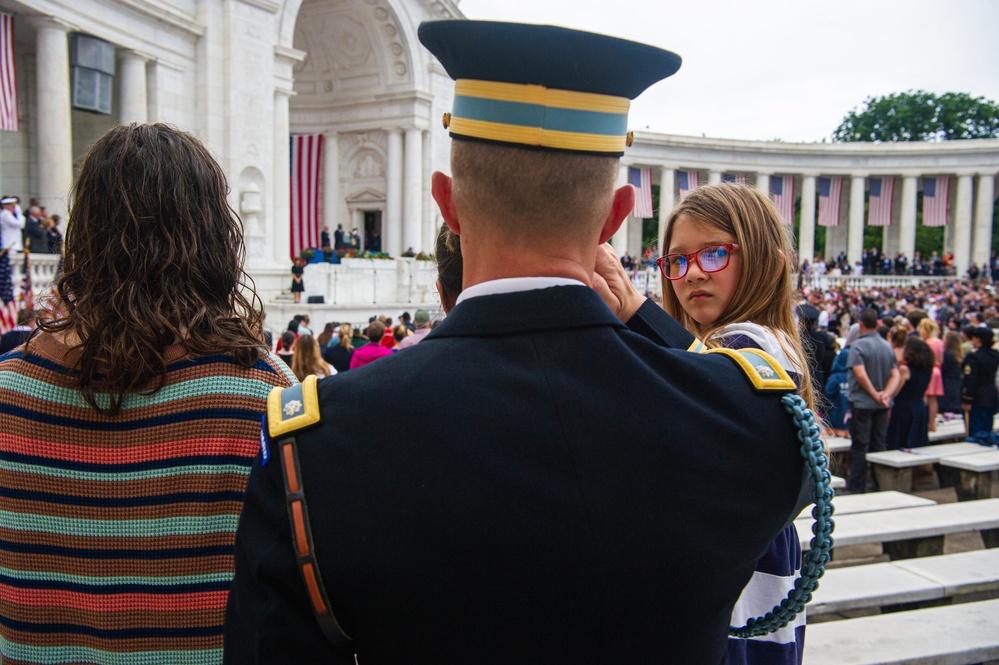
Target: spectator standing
373 350
978 393
54 234
326 336
286 347
142 421
11 225
338 352
297 279
873 379
422 322
35 238
20 333
837 386
338 240
303 325
908 425
950 369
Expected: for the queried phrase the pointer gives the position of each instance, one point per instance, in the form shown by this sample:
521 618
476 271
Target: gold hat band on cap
539 94
537 116
535 136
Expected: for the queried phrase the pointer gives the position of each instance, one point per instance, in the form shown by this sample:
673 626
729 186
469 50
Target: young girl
727 278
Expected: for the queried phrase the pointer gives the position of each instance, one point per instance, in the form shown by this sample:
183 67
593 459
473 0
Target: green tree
921 116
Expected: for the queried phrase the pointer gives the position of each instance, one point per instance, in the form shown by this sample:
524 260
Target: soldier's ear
440 188
621 207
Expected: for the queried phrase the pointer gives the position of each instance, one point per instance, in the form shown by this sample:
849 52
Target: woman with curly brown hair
130 423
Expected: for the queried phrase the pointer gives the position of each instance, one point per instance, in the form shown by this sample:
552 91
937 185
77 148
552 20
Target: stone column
806 232
763 183
413 190
714 177
962 224
133 106
986 194
855 233
281 222
332 203
393 197
667 200
53 124
620 239
907 218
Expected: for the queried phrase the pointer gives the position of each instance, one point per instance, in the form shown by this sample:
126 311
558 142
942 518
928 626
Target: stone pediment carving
366 196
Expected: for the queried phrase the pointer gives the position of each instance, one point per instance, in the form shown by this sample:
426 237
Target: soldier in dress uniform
572 488
979 397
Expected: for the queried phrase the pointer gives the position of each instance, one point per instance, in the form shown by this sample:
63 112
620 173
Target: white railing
827 282
44 268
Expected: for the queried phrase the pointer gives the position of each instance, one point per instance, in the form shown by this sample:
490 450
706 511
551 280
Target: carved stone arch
356 48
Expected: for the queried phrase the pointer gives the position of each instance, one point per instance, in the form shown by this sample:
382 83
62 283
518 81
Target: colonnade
53 126
969 225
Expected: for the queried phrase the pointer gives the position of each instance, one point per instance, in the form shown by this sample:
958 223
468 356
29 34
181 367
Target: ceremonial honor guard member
573 489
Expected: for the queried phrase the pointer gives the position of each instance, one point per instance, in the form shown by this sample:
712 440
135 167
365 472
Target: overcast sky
783 69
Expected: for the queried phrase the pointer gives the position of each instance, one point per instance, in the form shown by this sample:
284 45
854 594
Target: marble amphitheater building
246 75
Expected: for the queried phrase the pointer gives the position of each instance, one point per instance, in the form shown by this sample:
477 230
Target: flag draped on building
782 193
737 178
685 182
879 205
830 193
8 78
642 180
306 158
8 313
935 193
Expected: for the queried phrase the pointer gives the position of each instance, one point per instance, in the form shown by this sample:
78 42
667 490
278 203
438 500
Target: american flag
935 191
830 193
879 206
737 178
8 79
306 156
8 313
782 192
642 180
685 182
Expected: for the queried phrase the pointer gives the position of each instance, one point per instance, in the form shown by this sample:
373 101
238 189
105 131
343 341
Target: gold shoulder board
293 409
760 367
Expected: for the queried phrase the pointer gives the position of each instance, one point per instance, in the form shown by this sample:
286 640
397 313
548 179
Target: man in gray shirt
873 381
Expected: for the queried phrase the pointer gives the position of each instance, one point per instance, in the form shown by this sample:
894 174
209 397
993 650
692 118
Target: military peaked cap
542 86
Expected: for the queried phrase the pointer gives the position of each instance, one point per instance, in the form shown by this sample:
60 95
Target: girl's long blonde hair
307 359
765 293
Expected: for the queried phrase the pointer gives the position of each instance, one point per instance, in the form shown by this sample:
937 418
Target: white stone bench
837 447
936 579
913 532
954 635
952 430
893 468
869 503
975 479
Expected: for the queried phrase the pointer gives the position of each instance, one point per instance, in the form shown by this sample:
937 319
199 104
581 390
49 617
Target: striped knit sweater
116 534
